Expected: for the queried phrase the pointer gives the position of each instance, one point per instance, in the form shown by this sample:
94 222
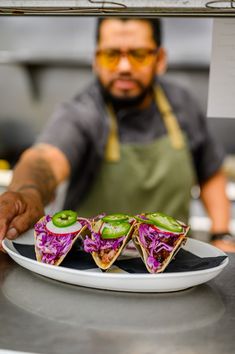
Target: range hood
135 8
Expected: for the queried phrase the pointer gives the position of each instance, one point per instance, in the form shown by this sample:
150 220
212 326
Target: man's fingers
3 230
12 233
10 207
20 224
18 213
7 214
1 248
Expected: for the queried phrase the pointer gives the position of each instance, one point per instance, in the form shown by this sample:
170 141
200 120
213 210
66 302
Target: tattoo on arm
37 175
44 179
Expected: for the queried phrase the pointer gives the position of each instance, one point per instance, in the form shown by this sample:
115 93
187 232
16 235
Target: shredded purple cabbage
83 222
156 242
96 243
153 263
50 246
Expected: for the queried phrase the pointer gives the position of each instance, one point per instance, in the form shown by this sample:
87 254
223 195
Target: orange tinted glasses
109 58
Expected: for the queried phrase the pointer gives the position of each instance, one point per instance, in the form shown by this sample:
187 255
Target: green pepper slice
115 217
64 218
145 221
115 229
164 221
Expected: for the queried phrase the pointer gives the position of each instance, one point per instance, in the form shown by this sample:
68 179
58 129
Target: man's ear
161 64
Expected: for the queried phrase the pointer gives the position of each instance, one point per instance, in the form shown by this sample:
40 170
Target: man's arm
215 200
35 178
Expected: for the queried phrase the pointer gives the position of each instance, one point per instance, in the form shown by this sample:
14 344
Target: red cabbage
52 246
156 241
96 243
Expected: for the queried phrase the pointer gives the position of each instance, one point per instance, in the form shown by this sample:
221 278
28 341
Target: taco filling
107 238
53 242
158 244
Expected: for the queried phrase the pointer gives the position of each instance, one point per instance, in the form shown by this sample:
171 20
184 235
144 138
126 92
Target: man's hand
225 246
215 200
224 241
19 211
35 179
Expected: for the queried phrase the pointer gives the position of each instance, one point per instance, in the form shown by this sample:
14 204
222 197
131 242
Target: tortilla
104 258
159 260
47 241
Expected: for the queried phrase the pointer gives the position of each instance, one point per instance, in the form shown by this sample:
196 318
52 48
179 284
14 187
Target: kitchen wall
46 60
40 61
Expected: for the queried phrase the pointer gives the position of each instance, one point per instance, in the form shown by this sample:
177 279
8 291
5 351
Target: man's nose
124 64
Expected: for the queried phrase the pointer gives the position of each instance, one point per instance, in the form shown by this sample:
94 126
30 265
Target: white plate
164 282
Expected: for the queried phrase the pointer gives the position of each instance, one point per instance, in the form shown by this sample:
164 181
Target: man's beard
126 101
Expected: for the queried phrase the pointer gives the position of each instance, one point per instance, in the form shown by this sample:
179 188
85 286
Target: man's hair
154 22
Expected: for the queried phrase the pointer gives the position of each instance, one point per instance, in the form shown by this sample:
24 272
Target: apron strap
112 149
169 119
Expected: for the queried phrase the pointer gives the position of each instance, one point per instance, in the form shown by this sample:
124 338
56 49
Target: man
130 143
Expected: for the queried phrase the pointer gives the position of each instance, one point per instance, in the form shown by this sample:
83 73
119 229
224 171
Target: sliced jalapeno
164 221
115 217
64 218
144 219
115 229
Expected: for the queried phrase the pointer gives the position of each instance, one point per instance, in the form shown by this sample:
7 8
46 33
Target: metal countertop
45 316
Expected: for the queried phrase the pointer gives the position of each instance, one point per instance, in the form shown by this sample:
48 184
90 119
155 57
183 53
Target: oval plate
116 281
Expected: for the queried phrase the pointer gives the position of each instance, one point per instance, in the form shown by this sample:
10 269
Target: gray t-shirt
79 128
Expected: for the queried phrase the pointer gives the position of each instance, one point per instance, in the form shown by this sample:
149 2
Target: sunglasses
109 58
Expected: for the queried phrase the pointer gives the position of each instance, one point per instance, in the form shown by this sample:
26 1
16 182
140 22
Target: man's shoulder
177 93
186 108
89 95
84 108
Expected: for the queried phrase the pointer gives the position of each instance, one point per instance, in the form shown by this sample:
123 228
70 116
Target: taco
158 237
55 235
107 238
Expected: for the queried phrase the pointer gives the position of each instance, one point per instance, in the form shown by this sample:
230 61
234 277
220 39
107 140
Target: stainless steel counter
44 316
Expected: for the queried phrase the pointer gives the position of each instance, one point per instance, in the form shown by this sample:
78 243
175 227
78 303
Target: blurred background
47 60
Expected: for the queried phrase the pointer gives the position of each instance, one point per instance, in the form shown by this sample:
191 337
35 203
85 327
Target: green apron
135 178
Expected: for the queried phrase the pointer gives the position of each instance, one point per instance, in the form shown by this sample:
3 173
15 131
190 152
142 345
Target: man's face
127 58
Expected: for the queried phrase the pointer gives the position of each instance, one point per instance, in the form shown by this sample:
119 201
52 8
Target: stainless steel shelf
146 8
